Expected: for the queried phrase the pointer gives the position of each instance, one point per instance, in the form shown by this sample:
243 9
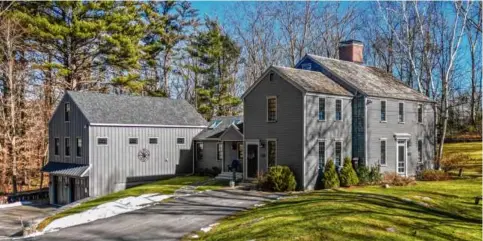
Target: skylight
236 122
215 124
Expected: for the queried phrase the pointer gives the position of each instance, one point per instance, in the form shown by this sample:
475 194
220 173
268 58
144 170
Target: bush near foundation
330 179
278 179
348 176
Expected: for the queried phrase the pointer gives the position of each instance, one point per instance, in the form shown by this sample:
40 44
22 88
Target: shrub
216 170
375 175
454 161
279 179
363 175
331 179
395 179
434 175
348 176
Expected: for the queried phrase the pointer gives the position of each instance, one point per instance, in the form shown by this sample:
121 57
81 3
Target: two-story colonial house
334 108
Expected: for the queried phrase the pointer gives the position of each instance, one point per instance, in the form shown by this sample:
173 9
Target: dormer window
67 112
215 124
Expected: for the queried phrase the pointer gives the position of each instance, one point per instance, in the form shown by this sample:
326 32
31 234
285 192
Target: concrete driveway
11 218
166 221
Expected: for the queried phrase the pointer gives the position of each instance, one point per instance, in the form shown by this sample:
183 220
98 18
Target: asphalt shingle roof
67 169
370 80
312 81
126 109
226 121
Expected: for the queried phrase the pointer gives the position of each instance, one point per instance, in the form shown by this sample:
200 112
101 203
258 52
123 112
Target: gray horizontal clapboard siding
76 127
287 130
328 131
116 164
209 156
376 129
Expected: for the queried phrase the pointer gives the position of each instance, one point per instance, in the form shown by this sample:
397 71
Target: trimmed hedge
279 179
331 179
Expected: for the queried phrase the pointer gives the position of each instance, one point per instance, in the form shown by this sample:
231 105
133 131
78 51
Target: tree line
167 49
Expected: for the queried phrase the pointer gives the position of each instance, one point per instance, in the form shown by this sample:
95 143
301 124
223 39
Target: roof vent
351 50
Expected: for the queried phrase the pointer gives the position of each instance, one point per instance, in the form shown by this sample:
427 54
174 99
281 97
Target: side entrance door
401 157
252 160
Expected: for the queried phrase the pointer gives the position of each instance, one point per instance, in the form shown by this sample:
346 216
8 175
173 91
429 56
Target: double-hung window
67 112
338 110
401 112
383 110
321 148
272 152
219 151
338 153
271 109
420 151
56 146
67 146
321 109
199 151
78 147
420 113
383 153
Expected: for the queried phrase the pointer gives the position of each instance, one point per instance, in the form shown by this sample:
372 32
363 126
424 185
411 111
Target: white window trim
65 147
153 137
422 112
184 141
404 113
102 137
218 151
385 111
325 108
76 146
341 152
132 137
276 108
325 150
58 154
341 109
385 152
420 156
276 150
70 111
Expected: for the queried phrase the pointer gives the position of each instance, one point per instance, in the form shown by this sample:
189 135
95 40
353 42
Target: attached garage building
102 143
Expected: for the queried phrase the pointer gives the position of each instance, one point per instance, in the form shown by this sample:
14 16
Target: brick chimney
351 50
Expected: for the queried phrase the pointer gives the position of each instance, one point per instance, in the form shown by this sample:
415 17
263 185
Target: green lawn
473 149
425 211
168 186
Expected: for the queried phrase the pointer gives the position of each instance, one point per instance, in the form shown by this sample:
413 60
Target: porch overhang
66 169
402 136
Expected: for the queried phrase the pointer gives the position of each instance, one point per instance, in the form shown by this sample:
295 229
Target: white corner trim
87 170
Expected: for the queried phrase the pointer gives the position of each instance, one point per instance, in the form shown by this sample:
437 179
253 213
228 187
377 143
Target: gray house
332 108
102 143
219 143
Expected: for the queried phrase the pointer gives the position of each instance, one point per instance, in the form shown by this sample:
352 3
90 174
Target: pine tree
218 55
331 179
348 176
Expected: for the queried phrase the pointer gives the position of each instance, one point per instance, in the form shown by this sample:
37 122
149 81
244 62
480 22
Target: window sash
383 152
338 153
199 151
153 140
420 113
338 109
67 111
321 149
67 146
420 150
219 151
180 140
56 146
79 147
101 141
383 110
401 112
272 153
271 109
133 141
321 108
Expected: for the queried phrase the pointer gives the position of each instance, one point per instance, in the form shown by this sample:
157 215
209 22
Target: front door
252 160
401 157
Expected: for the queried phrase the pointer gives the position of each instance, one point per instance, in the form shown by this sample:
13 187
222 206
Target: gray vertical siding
76 127
377 130
116 164
288 130
329 130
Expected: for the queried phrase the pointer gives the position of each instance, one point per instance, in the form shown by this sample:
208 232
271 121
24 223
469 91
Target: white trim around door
402 143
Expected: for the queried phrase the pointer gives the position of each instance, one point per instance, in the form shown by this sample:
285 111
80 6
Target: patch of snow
15 204
106 210
207 229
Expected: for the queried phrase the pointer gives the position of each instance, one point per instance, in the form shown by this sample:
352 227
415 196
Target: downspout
365 131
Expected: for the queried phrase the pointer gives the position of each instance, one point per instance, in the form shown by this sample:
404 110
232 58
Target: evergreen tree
218 55
83 37
348 176
331 179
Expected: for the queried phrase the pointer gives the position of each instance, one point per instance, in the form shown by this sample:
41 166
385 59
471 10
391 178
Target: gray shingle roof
126 109
370 80
67 169
226 121
312 81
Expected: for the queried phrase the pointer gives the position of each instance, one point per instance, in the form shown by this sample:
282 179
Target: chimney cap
351 42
